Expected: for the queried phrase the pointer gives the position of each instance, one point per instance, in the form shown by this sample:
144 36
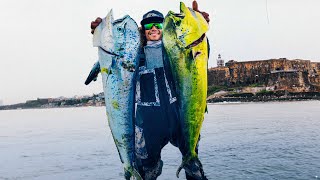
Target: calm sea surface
239 141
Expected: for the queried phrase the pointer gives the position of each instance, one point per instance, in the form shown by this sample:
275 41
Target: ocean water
277 140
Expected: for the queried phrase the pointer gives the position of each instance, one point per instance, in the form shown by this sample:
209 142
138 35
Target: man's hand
95 24
204 14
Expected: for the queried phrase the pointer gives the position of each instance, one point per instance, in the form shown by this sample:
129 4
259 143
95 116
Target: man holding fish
159 101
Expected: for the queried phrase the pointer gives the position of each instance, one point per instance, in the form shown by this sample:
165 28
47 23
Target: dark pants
159 128
160 125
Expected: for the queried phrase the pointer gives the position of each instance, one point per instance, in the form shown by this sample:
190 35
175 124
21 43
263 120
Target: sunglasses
150 25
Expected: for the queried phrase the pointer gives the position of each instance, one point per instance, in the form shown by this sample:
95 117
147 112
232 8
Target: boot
153 172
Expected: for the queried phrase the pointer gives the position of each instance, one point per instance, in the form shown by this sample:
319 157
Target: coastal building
220 61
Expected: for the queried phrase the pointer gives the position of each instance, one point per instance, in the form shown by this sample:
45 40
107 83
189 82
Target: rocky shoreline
62 102
265 97
222 96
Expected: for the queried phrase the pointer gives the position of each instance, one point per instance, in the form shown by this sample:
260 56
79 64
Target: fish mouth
196 42
179 15
108 52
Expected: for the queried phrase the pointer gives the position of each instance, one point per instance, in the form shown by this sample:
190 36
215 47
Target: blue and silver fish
118 43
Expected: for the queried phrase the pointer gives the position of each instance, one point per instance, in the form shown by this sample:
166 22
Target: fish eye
119 29
178 22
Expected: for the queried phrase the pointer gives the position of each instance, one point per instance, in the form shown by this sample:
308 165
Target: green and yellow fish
187 47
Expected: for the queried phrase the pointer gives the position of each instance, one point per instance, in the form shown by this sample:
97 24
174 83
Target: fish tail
183 163
179 169
136 174
186 162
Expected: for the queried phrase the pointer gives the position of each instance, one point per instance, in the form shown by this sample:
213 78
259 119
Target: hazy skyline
46 46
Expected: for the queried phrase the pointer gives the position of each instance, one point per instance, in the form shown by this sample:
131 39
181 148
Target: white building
220 62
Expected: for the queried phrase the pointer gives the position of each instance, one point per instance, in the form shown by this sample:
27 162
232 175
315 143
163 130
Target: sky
46 45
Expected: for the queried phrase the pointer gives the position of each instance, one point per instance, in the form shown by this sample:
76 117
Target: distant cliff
274 75
61 102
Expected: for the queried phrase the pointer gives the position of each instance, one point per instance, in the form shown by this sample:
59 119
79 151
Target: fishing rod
267 13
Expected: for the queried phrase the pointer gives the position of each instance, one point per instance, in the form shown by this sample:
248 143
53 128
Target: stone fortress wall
277 74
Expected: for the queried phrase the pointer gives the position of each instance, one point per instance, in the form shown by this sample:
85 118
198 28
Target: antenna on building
220 61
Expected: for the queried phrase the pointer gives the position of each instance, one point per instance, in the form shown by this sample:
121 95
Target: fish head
185 28
126 36
103 34
116 37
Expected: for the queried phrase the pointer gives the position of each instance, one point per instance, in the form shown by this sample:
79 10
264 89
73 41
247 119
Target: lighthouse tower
220 62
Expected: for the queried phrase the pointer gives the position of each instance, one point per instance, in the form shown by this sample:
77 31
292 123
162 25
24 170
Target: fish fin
109 18
107 39
93 73
179 169
96 36
109 72
103 32
184 9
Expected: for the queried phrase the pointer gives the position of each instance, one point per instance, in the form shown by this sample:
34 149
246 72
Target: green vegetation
71 102
36 103
84 100
256 85
231 89
213 89
240 95
33 104
265 93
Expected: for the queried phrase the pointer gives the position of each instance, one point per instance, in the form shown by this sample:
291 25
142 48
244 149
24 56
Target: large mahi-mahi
186 44
118 46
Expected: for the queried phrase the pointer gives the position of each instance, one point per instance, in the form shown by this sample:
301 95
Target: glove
95 24
204 14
